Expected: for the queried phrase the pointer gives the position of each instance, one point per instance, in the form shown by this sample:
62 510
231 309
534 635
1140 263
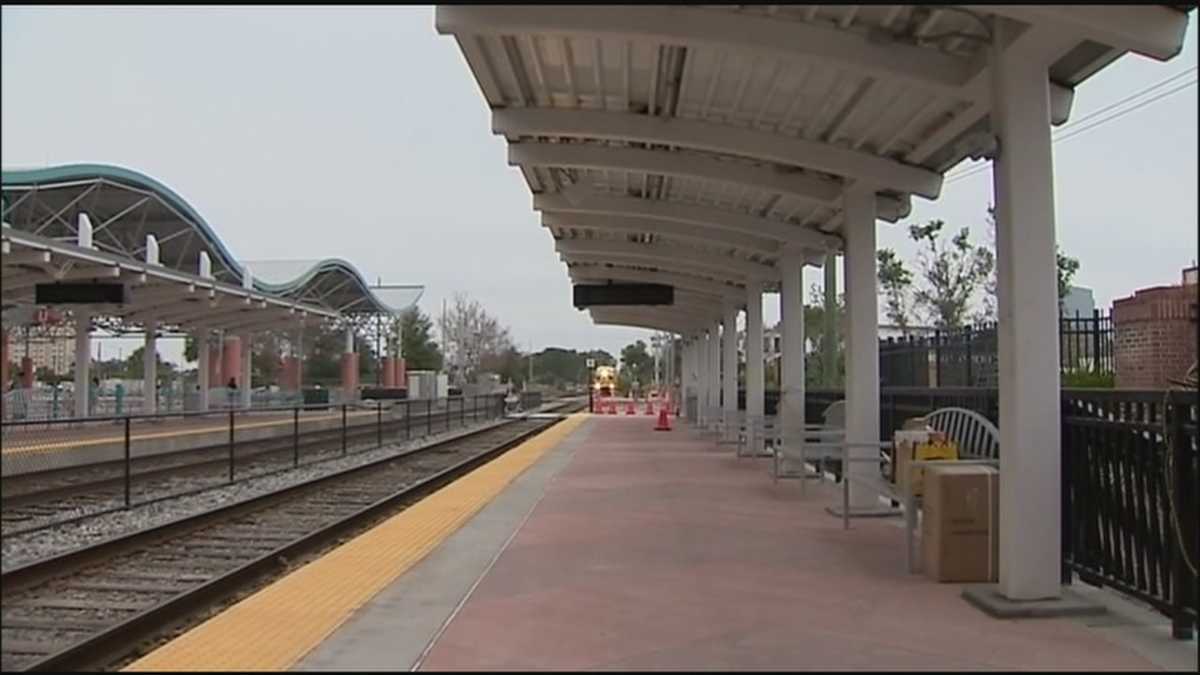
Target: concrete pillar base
988 599
866 512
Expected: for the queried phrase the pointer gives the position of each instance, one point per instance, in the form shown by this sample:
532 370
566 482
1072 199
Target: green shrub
1088 379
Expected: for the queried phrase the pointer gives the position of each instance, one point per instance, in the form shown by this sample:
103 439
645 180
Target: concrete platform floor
627 549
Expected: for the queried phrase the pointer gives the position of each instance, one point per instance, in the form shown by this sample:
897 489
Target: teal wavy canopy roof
124 206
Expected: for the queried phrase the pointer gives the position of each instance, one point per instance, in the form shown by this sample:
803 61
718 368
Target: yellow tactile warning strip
274 628
71 445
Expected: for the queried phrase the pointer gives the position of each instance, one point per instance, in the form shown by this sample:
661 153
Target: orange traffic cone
649 407
629 409
664 421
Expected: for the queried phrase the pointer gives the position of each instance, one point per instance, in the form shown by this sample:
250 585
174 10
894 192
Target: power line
1074 124
1075 130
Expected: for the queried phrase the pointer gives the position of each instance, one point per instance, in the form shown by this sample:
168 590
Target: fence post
231 445
295 437
937 357
967 342
1182 492
1065 485
343 428
1096 340
428 417
378 423
128 464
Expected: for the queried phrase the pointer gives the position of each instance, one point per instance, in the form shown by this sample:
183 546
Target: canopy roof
125 206
703 142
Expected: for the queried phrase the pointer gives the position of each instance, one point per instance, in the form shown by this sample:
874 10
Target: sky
359 133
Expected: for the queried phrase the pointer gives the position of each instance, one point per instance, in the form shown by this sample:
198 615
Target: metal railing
121 461
1129 484
968 356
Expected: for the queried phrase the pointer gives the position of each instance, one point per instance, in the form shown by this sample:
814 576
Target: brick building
1155 334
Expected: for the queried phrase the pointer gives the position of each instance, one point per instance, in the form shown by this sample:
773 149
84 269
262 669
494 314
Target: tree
470 334
951 274
421 352
814 320
1066 268
637 364
895 280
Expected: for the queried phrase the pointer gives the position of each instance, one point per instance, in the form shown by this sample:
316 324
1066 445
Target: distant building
1079 300
1155 334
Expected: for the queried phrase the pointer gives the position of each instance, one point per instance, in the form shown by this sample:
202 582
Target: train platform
601 544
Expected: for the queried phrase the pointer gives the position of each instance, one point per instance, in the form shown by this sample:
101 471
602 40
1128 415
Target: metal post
295 437
967 333
1096 340
1183 494
343 428
231 412
378 424
937 357
128 464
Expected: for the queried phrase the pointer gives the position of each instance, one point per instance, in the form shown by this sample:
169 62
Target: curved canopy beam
660 228
698 166
588 201
666 252
696 27
719 138
666 265
683 321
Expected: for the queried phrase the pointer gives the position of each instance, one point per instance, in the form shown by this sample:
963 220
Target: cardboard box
961 521
910 445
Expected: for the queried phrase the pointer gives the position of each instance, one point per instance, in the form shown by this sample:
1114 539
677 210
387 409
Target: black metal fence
117 462
968 357
1130 480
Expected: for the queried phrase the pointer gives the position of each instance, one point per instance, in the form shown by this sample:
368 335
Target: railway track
37 501
89 607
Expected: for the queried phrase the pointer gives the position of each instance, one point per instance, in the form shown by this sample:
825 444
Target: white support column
862 343
83 359
729 370
714 374
247 387
150 368
701 378
791 311
1027 293
689 379
201 336
755 383
829 336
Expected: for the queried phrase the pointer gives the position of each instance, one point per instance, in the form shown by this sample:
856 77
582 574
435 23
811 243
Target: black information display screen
85 293
591 295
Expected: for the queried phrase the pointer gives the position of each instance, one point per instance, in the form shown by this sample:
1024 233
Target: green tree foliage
637 365
421 352
562 368
1066 267
895 280
951 274
814 322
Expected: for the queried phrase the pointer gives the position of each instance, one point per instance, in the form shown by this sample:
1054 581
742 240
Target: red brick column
1154 336
389 371
401 376
349 375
